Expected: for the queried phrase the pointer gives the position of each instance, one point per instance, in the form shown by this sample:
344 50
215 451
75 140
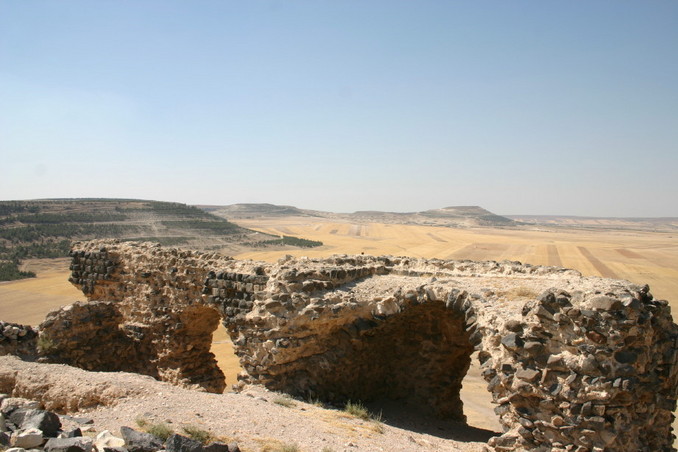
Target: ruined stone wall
572 363
20 340
145 315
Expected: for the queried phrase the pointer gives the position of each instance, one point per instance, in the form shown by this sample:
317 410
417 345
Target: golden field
643 257
639 256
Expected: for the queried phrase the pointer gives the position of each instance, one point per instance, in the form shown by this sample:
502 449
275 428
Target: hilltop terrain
456 216
46 228
661 224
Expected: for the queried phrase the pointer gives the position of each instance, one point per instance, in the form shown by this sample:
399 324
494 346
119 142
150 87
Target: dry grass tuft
284 400
198 434
278 446
519 292
357 409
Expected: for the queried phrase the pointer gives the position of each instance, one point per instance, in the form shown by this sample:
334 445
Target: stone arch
419 355
185 356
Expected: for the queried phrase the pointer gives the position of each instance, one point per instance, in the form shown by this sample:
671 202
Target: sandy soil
257 419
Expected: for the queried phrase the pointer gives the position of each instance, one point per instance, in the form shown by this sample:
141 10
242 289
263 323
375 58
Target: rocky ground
258 420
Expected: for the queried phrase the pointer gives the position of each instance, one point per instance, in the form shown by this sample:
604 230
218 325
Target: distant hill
661 224
46 228
458 216
256 210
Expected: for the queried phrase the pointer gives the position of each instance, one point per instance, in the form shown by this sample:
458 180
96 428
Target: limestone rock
27 439
140 442
221 447
106 439
179 443
45 421
78 444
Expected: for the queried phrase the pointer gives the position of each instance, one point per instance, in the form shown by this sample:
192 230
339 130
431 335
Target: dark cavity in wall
410 362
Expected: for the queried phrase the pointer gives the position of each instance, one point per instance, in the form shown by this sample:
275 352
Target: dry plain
639 256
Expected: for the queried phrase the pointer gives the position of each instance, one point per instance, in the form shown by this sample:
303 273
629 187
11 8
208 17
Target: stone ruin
573 363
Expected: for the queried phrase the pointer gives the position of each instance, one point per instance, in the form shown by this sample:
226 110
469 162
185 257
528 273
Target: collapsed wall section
573 363
19 340
156 321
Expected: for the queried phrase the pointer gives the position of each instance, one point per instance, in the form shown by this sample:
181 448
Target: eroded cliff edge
572 362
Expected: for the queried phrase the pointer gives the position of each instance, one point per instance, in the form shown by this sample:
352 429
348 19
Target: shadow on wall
409 367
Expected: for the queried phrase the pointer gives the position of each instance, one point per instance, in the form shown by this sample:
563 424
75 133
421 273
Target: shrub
357 409
284 400
289 448
161 430
142 422
198 434
45 345
9 271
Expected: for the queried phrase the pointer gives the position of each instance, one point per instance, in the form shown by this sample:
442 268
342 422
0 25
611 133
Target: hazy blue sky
522 107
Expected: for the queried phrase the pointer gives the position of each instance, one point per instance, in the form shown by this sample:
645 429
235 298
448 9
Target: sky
521 107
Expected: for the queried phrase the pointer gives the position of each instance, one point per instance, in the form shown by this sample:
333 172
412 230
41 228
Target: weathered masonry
572 362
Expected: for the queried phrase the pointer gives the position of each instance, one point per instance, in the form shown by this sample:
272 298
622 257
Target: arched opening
478 404
408 366
186 356
227 360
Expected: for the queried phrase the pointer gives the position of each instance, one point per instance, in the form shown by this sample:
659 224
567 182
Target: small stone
512 341
504 440
107 439
604 303
558 421
514 326
140 442
534 348
596 337
556 363
46 421
71 434
547 297
27 439
78 419
544 313
217 447
525 422
5 440
596 422
586 409
555 389
589 366
529 375
179 443
598 410
79 444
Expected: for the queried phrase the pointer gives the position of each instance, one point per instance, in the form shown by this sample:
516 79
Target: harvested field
27 301
649 257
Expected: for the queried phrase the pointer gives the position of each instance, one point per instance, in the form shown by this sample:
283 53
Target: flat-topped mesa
569 360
